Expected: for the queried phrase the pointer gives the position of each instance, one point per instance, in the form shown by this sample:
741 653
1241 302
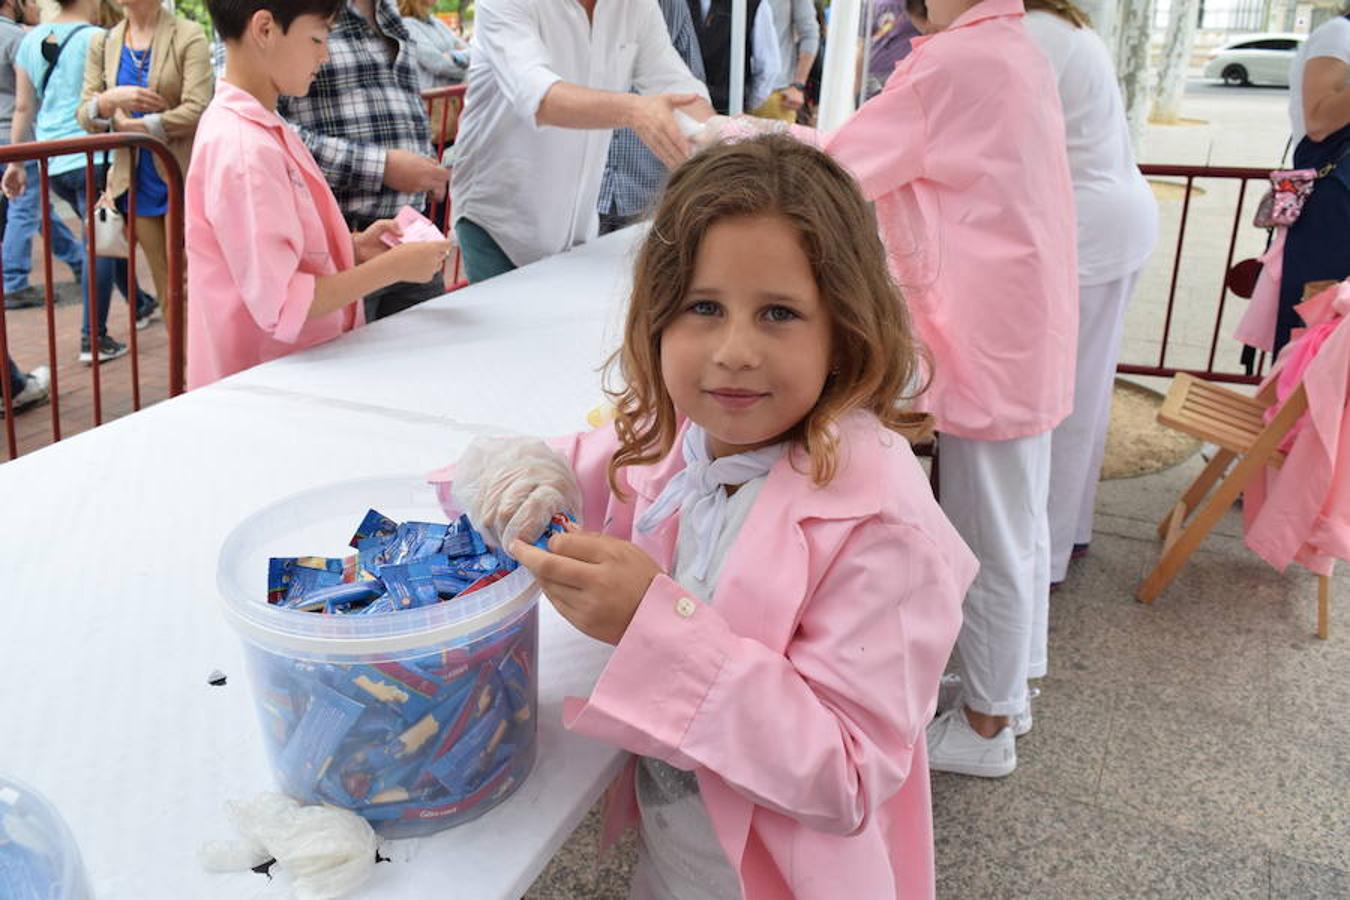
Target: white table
111 618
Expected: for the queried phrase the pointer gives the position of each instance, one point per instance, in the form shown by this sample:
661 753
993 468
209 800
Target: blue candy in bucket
408 694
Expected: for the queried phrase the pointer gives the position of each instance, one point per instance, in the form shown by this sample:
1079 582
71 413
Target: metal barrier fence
1190 174
444 107
173 306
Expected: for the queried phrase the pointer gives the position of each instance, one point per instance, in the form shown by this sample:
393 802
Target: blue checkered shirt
361 105
633 174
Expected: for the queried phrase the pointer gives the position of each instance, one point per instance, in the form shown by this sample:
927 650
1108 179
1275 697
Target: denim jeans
69 186
24 222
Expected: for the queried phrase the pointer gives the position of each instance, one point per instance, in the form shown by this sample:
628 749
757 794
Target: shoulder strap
51 64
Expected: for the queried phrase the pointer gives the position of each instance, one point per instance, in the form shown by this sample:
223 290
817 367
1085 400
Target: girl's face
748 354
298 53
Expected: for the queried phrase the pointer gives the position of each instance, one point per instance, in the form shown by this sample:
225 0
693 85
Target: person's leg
483 257
69 186
1038 654
153 241
16 375
995 493
1073 475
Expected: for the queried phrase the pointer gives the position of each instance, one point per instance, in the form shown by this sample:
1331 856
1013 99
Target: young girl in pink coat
758 542
272 266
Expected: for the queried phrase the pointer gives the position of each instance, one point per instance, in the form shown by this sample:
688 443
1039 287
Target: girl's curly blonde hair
878 365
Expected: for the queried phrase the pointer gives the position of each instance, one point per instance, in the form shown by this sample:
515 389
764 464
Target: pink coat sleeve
262 236
883 143
824 733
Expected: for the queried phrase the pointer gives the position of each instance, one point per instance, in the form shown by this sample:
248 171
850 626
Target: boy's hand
595 581
15 181
368 244
421 260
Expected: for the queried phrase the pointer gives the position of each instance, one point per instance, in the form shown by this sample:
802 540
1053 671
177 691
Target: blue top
152 194
56 108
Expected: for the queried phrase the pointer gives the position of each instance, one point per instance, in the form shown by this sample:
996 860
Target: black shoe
108 349
25 298
147 314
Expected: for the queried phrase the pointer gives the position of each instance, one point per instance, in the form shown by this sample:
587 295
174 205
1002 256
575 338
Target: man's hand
793 98
130 99
409 173
596 582
653 118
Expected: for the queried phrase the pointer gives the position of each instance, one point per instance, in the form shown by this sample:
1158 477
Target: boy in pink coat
272 266
762 547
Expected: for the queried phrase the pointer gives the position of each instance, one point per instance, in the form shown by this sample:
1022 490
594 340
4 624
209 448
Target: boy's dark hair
230 17
917 8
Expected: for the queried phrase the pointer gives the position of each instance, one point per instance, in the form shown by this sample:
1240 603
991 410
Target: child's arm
824 733
406 262
265 236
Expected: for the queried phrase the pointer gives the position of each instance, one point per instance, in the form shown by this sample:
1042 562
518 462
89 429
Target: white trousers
1079 441
995 493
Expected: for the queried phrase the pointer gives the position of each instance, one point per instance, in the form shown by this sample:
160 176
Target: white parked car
1255 59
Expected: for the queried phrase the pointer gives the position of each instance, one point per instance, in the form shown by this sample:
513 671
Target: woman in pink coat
761 548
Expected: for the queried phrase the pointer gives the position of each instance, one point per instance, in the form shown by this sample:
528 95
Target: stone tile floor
1194 748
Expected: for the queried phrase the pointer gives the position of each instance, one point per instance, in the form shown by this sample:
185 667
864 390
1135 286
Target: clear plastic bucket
38 856
417 720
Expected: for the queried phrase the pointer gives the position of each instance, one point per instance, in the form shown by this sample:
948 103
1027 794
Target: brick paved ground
27 338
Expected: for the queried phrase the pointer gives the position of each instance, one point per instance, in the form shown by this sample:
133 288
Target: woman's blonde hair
1065 9
416 9
875 355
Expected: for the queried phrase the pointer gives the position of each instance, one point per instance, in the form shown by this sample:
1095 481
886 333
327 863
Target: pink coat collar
980 12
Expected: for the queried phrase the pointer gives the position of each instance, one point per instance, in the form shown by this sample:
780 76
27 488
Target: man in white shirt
798 38
547 84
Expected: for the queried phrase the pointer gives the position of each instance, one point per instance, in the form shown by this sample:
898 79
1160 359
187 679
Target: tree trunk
1176 57
1136 78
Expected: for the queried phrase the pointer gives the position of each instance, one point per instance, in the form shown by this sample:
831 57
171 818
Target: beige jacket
180 72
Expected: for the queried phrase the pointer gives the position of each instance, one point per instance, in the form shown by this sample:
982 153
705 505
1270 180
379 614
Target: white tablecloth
111 617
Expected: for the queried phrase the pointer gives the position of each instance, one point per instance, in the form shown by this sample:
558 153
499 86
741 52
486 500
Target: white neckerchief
697 491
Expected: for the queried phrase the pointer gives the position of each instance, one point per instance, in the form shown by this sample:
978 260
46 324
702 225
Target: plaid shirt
360 106
633 174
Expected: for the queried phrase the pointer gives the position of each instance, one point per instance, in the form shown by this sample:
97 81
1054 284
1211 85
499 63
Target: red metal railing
1190 174
444 107
172 304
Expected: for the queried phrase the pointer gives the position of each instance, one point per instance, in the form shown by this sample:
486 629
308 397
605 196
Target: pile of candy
397 566
412 745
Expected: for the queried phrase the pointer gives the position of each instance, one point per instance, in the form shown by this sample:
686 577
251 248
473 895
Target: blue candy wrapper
462 539
309 752
410 586
415 540
374 525
304 582
282 570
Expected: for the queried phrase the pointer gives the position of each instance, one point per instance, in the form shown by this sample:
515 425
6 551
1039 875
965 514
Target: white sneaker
953 746
35 388
949 697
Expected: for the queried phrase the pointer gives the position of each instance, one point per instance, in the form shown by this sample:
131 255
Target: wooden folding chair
1236 424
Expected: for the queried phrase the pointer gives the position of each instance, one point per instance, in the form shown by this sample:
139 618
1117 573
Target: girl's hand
130 99
15 181
368 244
595 581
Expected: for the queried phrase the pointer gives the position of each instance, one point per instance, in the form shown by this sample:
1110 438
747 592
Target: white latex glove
723 129
511 486
329 852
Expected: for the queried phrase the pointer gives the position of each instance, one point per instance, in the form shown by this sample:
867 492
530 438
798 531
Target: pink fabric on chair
1301 512
1257 327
